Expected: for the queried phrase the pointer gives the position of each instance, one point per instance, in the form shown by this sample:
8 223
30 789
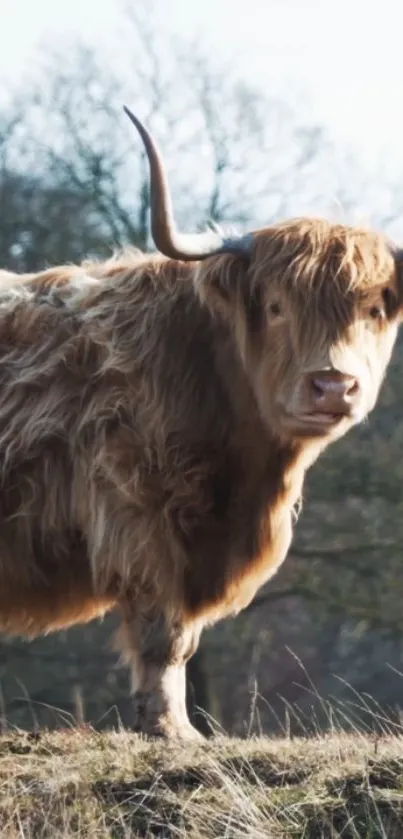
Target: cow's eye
377 313
275 308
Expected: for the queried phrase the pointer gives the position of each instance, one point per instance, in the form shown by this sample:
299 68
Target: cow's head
315 308
329 299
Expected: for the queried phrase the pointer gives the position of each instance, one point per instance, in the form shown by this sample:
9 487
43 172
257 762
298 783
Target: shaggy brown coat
150 451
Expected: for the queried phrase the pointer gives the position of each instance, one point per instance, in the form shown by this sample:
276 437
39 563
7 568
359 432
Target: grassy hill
77 783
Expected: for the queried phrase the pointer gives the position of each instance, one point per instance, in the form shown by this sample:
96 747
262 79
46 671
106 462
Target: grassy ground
81 784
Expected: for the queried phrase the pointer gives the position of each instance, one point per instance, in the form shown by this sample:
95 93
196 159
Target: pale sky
346 54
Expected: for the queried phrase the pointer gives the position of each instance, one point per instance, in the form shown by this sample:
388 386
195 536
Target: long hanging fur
135 454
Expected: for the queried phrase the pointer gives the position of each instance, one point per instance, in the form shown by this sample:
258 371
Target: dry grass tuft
78 783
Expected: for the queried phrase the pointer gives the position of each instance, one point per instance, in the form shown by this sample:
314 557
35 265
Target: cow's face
316 313
322 370
330 321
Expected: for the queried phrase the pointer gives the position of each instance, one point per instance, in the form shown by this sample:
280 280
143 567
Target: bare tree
233 154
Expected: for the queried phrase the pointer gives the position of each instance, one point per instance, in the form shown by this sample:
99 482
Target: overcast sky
346 55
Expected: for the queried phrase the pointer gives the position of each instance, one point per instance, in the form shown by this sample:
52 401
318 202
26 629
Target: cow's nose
332 392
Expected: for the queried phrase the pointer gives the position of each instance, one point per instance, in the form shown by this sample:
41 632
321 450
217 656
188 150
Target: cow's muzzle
332 394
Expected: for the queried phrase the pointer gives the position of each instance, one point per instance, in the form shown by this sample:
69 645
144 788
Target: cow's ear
398 257
399 275
222 283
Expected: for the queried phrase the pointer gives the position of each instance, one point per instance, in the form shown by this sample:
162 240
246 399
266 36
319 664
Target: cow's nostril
353 389
317 387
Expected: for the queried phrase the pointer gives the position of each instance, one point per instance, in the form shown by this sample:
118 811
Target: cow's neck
275 465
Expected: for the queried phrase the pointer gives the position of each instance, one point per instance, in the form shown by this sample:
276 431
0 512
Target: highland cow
158 414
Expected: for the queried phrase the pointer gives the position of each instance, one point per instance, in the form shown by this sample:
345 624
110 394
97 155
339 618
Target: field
78 783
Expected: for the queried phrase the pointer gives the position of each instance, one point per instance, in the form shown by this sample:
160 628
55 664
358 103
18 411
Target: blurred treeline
74 183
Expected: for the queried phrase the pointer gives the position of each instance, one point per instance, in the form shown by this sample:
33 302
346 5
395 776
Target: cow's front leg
157 649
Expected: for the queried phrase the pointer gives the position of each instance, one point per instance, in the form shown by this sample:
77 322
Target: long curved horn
168 240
